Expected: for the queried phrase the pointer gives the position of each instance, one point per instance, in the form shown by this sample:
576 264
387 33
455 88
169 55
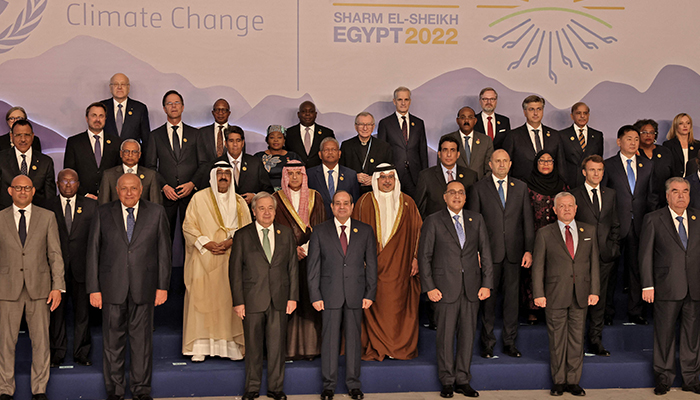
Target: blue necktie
630 175
682 233
331 184
460 231
501 193
130 222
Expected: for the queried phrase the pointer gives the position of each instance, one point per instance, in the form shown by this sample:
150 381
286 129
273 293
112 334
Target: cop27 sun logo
559 37
26 21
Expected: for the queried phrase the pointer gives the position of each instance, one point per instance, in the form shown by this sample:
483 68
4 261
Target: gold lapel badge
640 165
109 141
461 176
658 155
34 167
512 184
470 220
79 210
572 138
244 168
413 124
342 178
184 140
692 217
354 230
580 229
548 134
130 113
279 232
478 141
319 132
498 122
142 176
371 160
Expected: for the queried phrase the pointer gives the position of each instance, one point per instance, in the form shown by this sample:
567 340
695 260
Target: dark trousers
270 327
407 185
506 278
665 315
173 209
351 320
136 322
565 328
629 248
460 318
82 342
597 312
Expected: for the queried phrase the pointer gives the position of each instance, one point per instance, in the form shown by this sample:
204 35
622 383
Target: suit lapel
33 227
334 233
77 215
587 198
692 227
641 173
87 151
322 185
140 220
617 166
440 178
11 227
450 225
554 230
119 220
165 141
667 220
491 189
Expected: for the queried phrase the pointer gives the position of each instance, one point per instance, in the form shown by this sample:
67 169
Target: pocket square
502 130
585 239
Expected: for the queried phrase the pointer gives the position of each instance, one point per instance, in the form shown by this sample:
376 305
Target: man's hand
291 306
435 295
96 300
54 299
248 197
226 244
364 179
648 295
185 189
414 267
527 260
214 248
161 296
592 299
366 303
484 293
91 196
318 305
240 310
541 302
301 254
170 193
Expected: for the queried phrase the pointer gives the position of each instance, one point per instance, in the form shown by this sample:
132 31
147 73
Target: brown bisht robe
304 326
390 326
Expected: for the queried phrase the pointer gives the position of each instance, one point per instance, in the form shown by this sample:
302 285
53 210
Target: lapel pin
109 141
342 178
34 167
279 232
371 160
319 132
478 141
640 165
572 138
498 122
658 155
79 210
548 134
184 140
244 168
405 203
470 220
354 230
413 124
512 184
130 112
461 176
142 176
692 217
580 229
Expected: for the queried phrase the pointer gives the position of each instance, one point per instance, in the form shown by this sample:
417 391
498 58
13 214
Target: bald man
126 117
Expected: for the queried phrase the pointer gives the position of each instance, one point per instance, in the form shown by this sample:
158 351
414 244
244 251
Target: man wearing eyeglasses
15 114
496 126
130 153
23 159
126 118
475 148
364 152
32 271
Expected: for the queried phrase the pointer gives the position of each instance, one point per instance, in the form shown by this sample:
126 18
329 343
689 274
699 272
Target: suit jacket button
21 269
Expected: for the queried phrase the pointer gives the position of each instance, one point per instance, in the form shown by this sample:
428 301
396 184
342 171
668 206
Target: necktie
130 222
130 171
176 142
68 212
220 141
630 175
22 227
331 184
307 140
682 233
266 244
23 168
450 177
460 231
343 239
98 150
120 119
582 139
404 128
501 192
538 142
467 150
490 128
236 172
569 241
596 203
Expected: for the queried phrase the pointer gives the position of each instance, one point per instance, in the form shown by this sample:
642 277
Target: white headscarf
388 202
226 202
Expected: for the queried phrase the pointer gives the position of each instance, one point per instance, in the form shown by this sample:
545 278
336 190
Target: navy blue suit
346 181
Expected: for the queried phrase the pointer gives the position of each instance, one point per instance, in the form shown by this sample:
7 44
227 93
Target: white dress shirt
574 232
19 158
17 215
444 172
531 131
408 123
91 136
505 185
347 230
270 235
461 219
634 164
72 205
135 168
468 138
125 213
589 189
336 172
116 108
169 127
302 133
485 121
235 162
577 130
216 133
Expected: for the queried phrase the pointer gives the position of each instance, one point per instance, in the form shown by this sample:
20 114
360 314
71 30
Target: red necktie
404 128
569 241
490 128
343 239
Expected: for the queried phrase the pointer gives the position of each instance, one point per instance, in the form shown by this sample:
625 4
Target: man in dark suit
15 114
505 205
32 281
597 206
364 152
92 152
479 147
127 274
126 118
525 141
330 176
631 177
130 151
305 137
496 126
454 258
74 217
433 181
172 151
405 133
342 276
579 141
669 253
22 159
212 141
565 281
264 278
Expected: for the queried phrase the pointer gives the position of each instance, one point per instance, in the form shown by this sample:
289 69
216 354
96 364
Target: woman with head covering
13 115
276 157
543 184
301 208
682 143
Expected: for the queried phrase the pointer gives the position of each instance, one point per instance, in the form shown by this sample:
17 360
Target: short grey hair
561 195
676 179
121 146
326 140
262 195
402 89
364 114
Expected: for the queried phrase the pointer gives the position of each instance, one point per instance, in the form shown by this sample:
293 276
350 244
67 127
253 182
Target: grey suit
342 281
556 276
149 180
480 155
459 274
27 274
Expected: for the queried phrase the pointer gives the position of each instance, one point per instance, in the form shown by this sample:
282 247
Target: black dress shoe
557 390
5 397
576 390
512 351
56 362
692 388
115 397
487 353
447 391
277 395
40 396
660 389
356 394
608 321
83 361
430 326
327 395
638 320
466 390
598 350
143 397
250 395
